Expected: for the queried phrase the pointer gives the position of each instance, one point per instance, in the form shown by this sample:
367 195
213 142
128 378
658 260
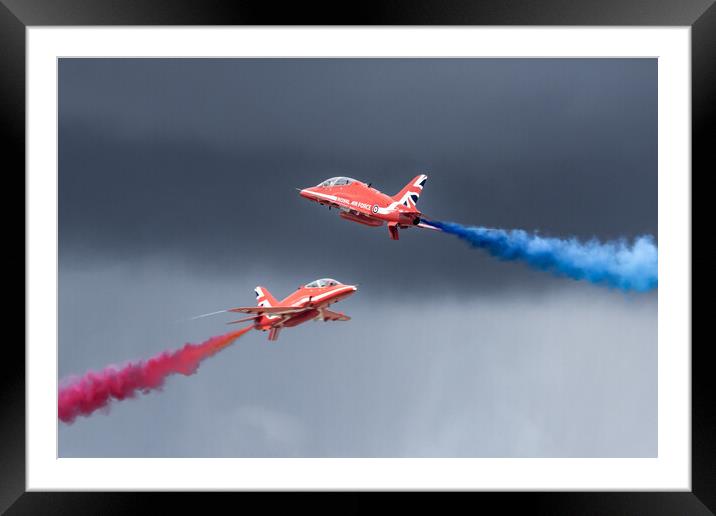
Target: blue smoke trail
614 263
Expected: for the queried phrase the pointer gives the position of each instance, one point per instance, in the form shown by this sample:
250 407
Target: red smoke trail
93 391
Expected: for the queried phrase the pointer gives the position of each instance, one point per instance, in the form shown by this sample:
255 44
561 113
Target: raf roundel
375 208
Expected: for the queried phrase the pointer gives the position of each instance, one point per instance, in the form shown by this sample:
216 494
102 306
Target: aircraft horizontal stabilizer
329 315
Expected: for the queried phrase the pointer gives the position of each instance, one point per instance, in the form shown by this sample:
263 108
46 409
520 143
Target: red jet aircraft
309 302
359 202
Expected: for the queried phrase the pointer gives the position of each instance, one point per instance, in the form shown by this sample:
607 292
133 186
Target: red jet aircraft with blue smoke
309 302
359 202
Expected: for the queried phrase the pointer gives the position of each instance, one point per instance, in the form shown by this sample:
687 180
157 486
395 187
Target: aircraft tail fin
410 193
264 297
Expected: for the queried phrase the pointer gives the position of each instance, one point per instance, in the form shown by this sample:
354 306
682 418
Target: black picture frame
700 15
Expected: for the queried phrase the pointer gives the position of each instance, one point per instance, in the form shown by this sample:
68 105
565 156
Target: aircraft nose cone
306 192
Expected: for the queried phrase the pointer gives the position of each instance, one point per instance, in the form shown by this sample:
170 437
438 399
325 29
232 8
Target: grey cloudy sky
177 196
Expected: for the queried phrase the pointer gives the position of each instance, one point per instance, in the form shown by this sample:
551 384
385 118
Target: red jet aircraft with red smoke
309 302
359 202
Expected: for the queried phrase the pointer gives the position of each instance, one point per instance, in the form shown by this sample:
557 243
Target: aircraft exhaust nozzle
416 221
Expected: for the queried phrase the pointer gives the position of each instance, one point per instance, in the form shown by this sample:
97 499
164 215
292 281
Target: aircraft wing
273 310
329 315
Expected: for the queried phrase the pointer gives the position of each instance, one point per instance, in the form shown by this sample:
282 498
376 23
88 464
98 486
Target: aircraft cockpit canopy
325 282
337 181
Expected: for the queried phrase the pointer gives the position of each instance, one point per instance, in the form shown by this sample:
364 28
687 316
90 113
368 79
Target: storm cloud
199 159
177 196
